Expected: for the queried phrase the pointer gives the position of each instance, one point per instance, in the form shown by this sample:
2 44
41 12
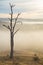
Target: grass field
20 59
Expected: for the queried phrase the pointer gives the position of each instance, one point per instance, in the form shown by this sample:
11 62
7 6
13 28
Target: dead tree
11 28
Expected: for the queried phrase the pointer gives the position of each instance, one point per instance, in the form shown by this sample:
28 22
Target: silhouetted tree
11 28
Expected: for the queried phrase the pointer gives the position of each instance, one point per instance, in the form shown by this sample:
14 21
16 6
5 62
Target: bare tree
11 28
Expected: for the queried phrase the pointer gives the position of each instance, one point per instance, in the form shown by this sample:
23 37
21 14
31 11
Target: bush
35 58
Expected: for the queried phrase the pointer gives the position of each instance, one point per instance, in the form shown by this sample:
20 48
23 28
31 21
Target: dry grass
21 60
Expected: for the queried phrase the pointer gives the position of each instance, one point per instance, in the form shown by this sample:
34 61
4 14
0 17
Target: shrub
35 58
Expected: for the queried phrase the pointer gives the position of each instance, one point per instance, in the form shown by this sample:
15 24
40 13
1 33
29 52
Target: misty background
29 37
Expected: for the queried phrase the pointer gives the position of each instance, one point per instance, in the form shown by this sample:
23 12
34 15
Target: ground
21 59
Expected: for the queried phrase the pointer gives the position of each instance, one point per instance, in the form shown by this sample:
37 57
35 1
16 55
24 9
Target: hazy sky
30 36
29 8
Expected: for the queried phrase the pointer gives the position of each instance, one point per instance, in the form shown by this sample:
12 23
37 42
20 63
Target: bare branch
7 27
11 5
16 31
14 26
16 20
9 19
17 16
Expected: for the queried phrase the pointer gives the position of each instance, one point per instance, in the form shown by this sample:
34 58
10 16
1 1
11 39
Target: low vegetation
21 60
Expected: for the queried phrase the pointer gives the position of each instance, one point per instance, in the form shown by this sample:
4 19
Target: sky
28 8
30 35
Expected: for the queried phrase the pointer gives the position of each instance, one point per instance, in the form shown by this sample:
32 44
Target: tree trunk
12 43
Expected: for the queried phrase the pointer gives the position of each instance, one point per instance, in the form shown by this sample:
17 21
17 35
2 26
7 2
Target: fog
29 37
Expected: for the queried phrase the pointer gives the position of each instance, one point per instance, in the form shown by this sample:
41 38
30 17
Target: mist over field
29 37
